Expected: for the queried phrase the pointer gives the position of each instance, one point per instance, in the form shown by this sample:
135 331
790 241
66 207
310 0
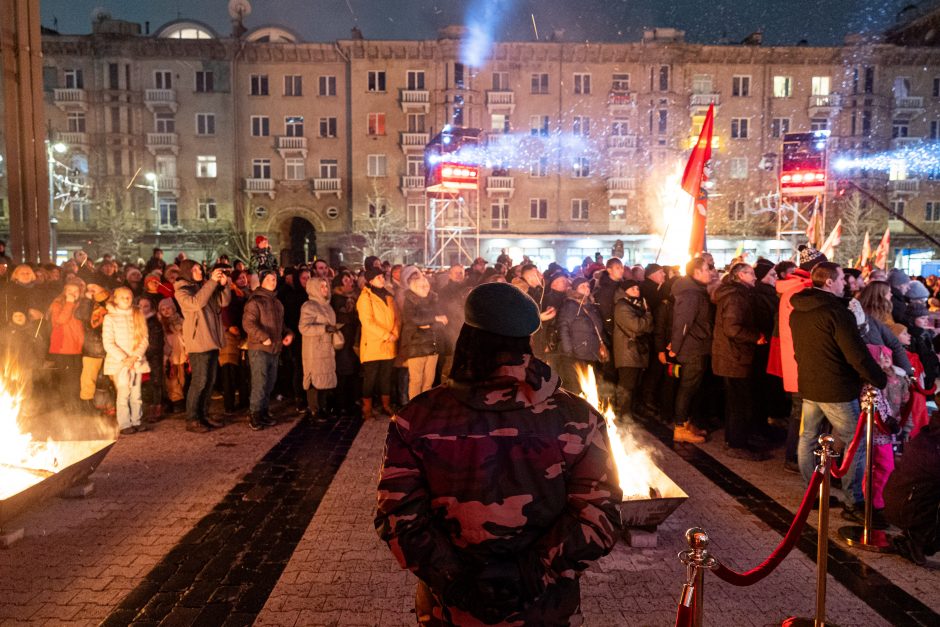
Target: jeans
263 377
205 368
377 377
128 403
844 419
690 379
235 381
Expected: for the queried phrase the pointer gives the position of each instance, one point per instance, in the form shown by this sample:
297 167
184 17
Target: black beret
502 309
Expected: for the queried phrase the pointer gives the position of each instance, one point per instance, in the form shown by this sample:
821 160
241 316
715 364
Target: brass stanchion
865 537
697 559
826 454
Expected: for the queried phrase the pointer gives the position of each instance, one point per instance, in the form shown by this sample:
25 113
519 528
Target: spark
535 27
921 158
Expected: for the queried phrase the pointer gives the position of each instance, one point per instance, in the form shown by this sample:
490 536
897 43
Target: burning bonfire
649 496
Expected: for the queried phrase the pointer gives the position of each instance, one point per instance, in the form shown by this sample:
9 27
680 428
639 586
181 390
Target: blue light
447 139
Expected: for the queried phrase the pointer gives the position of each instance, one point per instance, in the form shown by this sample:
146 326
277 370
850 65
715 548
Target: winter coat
508 471
117 333
912 494
875 332
633 329
782 361
21 297
263 259
766 306
23 344
420 332
173 350
605 295
580 328
379 319
319 357
832 357
92 315
653 293
344 306
922 344
263 320
68 333
736 332
201 305
156 343
692 320
293 298
230 354
898 306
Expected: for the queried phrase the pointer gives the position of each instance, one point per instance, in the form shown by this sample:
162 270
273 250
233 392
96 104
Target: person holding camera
633 328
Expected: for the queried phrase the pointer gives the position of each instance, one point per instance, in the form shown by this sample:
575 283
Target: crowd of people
772 353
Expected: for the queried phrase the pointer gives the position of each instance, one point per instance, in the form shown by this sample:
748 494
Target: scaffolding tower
453 229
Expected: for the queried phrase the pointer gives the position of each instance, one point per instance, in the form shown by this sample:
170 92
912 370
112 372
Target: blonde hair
140 322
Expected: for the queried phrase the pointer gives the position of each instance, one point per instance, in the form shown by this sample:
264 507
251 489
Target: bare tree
117 227
382 231
857 218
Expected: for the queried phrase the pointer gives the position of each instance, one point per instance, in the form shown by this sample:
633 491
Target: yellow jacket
379 321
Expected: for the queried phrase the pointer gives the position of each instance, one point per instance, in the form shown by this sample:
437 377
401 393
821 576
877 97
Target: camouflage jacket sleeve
404 519
589 527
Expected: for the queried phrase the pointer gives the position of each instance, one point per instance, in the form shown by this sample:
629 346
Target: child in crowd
174 352
154 356
124 333
888 405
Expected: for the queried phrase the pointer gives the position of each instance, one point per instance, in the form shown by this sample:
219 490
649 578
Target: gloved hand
331 328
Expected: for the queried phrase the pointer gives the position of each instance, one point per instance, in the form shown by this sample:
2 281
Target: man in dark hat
498 488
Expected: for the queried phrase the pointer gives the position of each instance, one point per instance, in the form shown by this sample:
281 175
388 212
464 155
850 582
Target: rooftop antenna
238 10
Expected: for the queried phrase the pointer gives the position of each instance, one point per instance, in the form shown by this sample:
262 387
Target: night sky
821 22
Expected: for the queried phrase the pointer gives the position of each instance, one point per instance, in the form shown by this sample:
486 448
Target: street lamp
153 187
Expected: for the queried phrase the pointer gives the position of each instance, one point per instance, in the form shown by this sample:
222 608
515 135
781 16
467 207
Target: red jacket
782 361
68 332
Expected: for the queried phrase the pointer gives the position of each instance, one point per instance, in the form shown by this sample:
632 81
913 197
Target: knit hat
917 291
502 309
186 269
628 283
651 268
259 239
263 273
897 278
915 310
578 281
762 268
809 257
372 272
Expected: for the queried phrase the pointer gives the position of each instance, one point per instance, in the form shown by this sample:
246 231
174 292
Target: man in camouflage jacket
497 494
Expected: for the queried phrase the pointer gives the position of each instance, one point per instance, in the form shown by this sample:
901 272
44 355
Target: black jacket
653 293
766 306
922 344
832 360
912 494
605 297
579 328
633 326
692 320
420 332
736 331
898 306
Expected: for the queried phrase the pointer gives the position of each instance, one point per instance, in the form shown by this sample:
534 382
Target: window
207 209
261 168
459 75
259 85
582 167
377 208
869 80
456 117
376 80
736 210
376 124
416 123
579 209
500 81
581 126
166 165
538 125
739 128
538 209
260 126
294 169
206 167
620 82
205 124
294 126
899 128
779 126
116 119
932 211
81 211
76 122
897 170
619 128
738 169
819 124
866 122
902 87
414 166
618 210
499 123
327 127
205 82
377 165
540 83
935 129
741 86
113 76
664 78
783 86
936 85
164 123
163 79
582 84
329 169
499 215
898 206
168 215
539 167
820 86
326 86
414 216
74 79
293 85
702 84
415 80
662 126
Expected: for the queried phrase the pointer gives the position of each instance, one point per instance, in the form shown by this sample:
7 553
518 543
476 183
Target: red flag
693 179
881 253
834 239
866 251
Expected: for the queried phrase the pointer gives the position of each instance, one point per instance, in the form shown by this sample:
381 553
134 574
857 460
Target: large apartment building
192 140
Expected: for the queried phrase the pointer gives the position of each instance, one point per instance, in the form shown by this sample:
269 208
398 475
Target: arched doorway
302 238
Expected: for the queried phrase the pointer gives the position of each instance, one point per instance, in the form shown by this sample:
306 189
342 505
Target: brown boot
367 409
387 405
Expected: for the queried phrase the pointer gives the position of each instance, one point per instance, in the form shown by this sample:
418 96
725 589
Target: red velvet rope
685 616
783 549
851 449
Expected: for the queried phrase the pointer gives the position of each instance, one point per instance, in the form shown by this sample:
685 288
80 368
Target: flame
24 461
635 468
674 224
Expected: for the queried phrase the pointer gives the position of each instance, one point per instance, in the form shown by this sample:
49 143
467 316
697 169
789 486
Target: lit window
783 86
738 169
206 167
376 124
820 86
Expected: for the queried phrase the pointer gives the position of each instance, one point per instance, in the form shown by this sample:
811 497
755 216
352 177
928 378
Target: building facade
186 139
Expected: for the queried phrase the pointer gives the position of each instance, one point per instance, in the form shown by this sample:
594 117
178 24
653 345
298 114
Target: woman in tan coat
379 341
318 329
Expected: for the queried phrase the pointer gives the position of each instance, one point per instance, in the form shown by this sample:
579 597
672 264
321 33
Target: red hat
259 239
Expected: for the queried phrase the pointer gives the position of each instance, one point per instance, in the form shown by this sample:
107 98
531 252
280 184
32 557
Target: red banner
693 180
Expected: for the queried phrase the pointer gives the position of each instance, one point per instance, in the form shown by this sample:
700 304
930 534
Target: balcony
500 186
327 186
160 100
620 186
415 101
904 186
500 102
823 104
159 142
413 142
74 140
905 142
620 102
617 143
168 184
908 105
702 101
70 100
291 145
260 186
896 226
412 185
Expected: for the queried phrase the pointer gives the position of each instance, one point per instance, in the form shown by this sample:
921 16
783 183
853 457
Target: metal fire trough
648 512
77 460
